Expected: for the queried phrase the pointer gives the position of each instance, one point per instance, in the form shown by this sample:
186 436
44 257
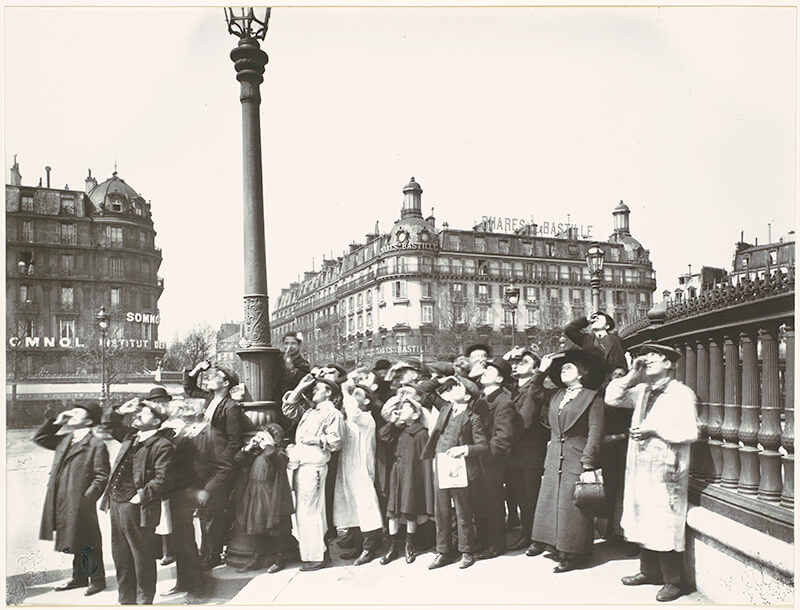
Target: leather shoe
639 579
488 554
439 561
519 545
71 585
350 554
311 566
94 587
534 550
467 559
275 567
365 557
565 565
668 592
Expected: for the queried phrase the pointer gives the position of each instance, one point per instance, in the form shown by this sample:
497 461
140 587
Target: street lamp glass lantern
512 295
595 257
248 22
102 319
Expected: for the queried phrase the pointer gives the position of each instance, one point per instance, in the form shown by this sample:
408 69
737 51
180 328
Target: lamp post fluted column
259 358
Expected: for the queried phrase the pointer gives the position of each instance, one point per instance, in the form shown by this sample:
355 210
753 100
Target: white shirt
143 435
79 434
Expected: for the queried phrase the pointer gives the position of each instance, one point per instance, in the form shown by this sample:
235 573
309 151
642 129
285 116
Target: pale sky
686 114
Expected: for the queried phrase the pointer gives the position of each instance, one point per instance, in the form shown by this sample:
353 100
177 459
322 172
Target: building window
360 322
485 315
369 320
147 299
531 317
527 248
399 289
773 257
458 267
458 314
427 314
380 293
68 206
745 261
67 297
146 269
402 339
426 264
550 249
507 317
27 231
142 238
116 297
572 249
480 244
458 290
427 290
114 236
503 245
66 329
455 242
26 203
138 209
29 328
554 294
359 301
24 293
619 297
469 267
116 267
531 293
506 269
67 264
483 292
115 205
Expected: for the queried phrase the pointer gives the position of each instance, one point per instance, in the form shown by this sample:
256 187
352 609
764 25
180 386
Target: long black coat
77 479
530 443
410 486
575 441
500 428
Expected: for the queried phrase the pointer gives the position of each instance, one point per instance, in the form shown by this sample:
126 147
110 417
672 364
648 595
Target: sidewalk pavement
512 579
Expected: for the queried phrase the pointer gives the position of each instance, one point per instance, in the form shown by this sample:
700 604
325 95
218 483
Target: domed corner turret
116 196
412 231
622 221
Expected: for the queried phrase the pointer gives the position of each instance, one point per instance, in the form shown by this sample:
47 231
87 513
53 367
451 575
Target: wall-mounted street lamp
512 298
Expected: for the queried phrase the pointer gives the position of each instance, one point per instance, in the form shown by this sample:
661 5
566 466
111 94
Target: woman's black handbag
590 496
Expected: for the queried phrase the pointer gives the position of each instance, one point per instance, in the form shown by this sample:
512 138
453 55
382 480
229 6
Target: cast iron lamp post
259 358
512 298
102 318
595 256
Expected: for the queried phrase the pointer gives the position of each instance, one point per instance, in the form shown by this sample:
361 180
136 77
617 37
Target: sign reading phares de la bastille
504 224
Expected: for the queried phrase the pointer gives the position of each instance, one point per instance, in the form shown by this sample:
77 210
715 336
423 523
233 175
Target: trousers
189 575
662 565
134 550
525 484
312 522
466 528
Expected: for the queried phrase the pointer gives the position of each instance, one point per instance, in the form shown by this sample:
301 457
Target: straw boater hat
588 359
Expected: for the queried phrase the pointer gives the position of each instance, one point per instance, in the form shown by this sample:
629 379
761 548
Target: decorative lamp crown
512 295
248 22
102 319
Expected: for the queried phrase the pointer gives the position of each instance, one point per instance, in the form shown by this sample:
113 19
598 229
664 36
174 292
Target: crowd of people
385 461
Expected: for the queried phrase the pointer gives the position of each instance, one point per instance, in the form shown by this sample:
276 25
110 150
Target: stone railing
737 343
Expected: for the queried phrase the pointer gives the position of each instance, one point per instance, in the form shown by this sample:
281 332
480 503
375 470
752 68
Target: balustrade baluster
715 412
748 428
680 369
787 438
704 457
769 434
690 379
730 424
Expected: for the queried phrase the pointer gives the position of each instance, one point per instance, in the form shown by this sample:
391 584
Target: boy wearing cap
226 426
499 424
655 502
77 479
294 366
459 433
141 477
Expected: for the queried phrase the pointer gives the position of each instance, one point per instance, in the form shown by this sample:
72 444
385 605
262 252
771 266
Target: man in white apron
663 427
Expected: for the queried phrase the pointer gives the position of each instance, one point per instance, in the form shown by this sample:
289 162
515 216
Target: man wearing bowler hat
499 424
77 479
599 338
663 427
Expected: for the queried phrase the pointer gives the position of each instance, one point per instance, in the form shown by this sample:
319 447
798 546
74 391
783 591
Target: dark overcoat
499 424
153 475
530 443
576 433
610 345
77 479
410 487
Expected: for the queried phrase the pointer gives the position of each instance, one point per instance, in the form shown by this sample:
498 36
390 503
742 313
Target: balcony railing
737 343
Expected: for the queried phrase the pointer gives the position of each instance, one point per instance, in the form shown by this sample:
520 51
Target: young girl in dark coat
410 498
265 505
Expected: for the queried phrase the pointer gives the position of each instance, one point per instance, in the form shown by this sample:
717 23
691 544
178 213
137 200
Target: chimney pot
48 169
